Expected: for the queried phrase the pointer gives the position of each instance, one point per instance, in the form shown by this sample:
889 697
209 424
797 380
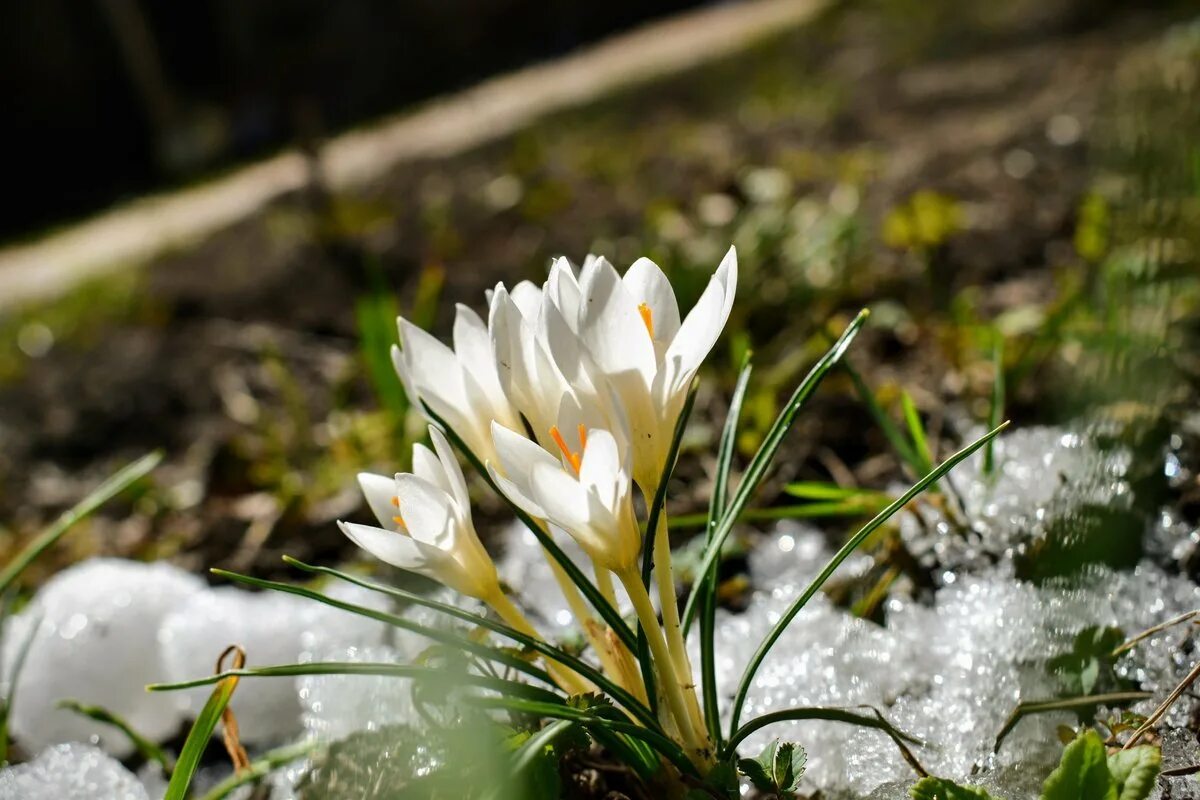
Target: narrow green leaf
917 432
841 555
6 703
627 700
997 410
535 746
818 490
1066 704
757 469
438 676
820 510
1134 770
260 768
941 789
1082 772
110 488
198 738
708 586
455 640
875 721
890 432
148 749
661 744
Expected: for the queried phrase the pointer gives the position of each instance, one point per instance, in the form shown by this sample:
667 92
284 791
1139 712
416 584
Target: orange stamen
647 317
573 458
582 438
399 520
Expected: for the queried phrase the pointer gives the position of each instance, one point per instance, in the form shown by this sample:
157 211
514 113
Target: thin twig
1146 634
1153 719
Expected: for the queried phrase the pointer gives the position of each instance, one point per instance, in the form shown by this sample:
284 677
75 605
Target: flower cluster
569 393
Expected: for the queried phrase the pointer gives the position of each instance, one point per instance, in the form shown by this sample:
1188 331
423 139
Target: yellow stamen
647 317
399 520
573 458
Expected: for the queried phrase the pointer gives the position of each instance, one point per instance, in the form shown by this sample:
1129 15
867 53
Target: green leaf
197 739
146 748
942 789
917 432
757 469
849 547
777 769
260 768
1134 770
110 488
1082 774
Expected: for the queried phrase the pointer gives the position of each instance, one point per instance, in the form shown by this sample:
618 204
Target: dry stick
1146 634
1153 719
229 725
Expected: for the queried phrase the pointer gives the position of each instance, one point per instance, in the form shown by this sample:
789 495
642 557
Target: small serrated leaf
941 789
1134 770
1082 772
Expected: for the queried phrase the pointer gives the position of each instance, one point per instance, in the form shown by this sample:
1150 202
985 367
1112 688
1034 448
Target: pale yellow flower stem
665 578
624 668
567 679
672 686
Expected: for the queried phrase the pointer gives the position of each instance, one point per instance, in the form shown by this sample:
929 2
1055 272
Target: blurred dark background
107 99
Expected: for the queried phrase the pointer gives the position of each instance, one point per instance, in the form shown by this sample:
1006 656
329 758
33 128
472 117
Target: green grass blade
849 547
148 749
1066 704
260 768
661 744
609 614
645 663
805 511
997 409
619 695
510 688
896 439
6 703
761 462
198 738
716 509
110 488
528 752
442 637
818 490
916 432
828 714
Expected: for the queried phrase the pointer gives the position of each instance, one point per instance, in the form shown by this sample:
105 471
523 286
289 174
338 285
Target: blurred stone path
133 233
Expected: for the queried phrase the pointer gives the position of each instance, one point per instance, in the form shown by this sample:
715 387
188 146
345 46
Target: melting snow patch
96 643
71 772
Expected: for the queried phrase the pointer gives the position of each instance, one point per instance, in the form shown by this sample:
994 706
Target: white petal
394 548
473 348
426 511
611 327
600 470
528 298
433 370
379 491
451 472
564 500
647 284
518 494
562 290
427 467
518 455
702 327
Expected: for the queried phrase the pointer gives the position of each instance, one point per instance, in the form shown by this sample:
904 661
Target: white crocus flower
586 492
462 386
630 327
425 519
542 363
